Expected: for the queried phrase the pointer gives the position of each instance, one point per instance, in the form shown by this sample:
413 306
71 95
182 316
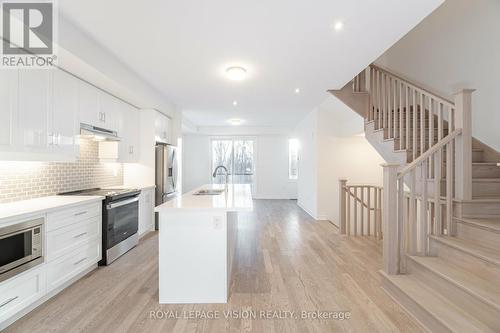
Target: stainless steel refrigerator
165 174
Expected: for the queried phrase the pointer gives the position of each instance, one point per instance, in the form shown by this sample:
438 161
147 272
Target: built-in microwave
21 247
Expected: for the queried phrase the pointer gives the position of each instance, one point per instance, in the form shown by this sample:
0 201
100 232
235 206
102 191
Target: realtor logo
28 32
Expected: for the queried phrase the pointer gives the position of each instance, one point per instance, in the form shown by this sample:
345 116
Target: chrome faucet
225 169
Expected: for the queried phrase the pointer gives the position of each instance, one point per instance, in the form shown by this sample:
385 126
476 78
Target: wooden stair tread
472 248
487 291
436 305
489 224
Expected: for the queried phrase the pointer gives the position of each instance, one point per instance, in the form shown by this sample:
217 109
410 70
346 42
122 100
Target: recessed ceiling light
236 73
339 25
235 103
297 90
235 121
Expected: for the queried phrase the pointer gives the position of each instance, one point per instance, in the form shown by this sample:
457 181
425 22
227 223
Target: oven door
122 220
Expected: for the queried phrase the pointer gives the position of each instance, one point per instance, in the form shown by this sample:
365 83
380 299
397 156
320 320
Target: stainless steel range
120 220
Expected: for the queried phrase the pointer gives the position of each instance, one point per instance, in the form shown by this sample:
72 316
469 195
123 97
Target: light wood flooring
285 261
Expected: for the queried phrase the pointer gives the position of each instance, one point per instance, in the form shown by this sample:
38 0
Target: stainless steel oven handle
122 203
8 301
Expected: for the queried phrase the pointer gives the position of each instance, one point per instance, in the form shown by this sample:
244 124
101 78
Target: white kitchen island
197 241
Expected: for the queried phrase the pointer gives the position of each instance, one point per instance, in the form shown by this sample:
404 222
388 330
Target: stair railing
416 118
360 208
437 135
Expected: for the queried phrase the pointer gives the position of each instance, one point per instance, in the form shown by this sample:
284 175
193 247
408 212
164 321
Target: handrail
414 86
443 142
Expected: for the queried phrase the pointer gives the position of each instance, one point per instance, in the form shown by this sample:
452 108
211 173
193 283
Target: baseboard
307 211
274 197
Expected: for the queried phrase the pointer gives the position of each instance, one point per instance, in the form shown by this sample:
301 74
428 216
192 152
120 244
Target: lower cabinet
146 210
71 264
73 244
21 291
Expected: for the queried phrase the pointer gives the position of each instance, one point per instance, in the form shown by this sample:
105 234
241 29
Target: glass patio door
237 155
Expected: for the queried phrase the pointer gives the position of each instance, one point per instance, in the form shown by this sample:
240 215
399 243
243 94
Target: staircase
441 202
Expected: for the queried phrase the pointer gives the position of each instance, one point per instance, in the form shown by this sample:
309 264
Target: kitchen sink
209 192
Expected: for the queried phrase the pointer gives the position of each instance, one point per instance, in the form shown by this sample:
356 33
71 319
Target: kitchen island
197 241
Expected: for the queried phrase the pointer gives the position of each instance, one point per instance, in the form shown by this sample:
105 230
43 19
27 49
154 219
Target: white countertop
238 198
139 187
18 209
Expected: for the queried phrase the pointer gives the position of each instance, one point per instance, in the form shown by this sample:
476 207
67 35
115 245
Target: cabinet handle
80 235
58 139
104 116
51 139
81 213
80 261
8 301
131 149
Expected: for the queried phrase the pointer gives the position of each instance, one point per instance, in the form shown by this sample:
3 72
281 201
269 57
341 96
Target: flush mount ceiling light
236 73
235 121
338 25
297 90
235 103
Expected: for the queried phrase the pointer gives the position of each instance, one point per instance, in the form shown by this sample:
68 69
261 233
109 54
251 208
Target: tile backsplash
26 180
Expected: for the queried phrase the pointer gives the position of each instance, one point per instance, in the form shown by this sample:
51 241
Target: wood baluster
415 129
395 109
379 214
413 213
449 189
401 227
438 229
424 209
400 129
355 212
348 211
377 74
369 210
422 124
407 118
362 188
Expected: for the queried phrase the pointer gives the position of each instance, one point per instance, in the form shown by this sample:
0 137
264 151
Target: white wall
271 165
332 148
307 184
456 47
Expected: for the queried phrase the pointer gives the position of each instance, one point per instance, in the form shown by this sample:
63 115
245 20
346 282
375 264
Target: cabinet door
161 128
9 127
146 211
129 145
34 86
64 126
89 109
110 109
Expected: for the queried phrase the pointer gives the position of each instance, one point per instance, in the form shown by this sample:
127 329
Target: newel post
463 145
342 206
390 226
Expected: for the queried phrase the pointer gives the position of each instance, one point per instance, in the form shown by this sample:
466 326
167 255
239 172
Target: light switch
217 222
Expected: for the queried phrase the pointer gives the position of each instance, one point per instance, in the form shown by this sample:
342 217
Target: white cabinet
89 108
63 122
21 291
110 107
146 210
162 128
34 94
9 127
129 133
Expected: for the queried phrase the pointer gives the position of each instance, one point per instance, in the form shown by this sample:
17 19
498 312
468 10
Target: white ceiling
182 47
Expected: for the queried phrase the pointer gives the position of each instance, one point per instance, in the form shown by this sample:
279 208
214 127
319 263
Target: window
293 159
237 156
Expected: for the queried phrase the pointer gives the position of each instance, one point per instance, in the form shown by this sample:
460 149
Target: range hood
97 133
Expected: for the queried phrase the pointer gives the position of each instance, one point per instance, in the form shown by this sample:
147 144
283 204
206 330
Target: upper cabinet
34 99
63 122
9 129
111 111
162 128
89 108
129 145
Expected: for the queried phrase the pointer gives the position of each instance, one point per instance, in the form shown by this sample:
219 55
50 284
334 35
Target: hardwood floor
285 261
